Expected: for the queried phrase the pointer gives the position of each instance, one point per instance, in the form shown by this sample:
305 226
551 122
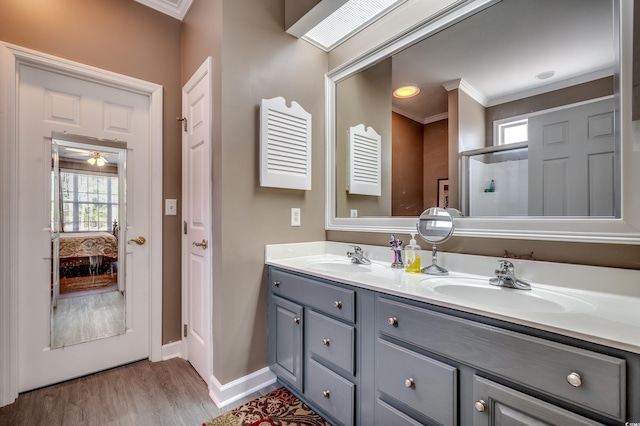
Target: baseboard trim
224 395
171 350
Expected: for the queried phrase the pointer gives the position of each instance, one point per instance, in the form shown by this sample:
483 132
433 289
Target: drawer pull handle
410 383
326 394
338 304
296 320
326 342
480 405
276 283
393 321
574 379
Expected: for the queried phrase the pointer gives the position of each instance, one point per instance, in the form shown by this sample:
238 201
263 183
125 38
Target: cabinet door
498 405
285 341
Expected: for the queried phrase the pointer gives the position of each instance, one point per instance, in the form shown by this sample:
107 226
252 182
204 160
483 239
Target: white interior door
53 102
196 213
572 164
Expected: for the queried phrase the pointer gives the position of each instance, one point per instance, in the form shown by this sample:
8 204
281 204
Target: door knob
204 244
139 241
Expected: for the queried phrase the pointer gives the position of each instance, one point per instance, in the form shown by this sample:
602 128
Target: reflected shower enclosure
87 205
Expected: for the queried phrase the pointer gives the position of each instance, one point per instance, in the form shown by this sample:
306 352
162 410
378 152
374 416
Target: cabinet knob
409 382
574 379
326 394
276 283
326 342
338 304
480 405
393 321
296 320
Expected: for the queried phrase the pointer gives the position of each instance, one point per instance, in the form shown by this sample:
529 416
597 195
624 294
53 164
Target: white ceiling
175 8
499 51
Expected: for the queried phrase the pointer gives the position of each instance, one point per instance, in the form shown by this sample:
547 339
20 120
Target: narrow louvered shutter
365 165
285 145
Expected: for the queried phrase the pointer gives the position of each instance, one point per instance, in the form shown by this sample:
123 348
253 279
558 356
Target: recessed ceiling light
348 19
545 75
406 92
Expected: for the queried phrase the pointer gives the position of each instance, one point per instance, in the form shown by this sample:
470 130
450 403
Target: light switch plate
295 216
170 207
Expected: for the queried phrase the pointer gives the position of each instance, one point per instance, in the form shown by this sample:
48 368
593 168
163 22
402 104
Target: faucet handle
504 268
505 264
356 249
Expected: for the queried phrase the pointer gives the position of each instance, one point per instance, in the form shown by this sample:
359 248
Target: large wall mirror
522 123
87 277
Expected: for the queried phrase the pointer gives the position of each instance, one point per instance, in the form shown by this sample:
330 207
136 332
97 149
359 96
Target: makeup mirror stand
435 225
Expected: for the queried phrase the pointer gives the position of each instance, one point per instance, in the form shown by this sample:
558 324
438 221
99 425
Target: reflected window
90 202
513 132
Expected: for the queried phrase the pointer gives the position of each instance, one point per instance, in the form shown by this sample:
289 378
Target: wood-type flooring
142 393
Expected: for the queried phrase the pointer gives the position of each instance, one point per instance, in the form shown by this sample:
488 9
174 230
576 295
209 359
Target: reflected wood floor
86 318
142 393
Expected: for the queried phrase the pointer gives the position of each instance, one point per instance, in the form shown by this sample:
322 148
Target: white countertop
595 304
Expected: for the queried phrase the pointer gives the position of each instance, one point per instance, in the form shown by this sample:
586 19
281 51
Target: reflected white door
48 102
196 213
572 163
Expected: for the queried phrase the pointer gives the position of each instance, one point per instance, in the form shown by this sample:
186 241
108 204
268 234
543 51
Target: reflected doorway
87 279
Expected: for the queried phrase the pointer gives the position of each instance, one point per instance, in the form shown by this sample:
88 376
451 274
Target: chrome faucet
506 277
357 256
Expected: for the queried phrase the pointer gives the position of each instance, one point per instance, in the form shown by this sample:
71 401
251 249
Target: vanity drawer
330 392
331 340
387 415
424 384
530 361
333 300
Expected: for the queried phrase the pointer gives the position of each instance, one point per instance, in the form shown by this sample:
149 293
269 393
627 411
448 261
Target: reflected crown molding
461 84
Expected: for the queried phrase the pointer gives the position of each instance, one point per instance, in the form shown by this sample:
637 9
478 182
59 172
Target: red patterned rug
277 408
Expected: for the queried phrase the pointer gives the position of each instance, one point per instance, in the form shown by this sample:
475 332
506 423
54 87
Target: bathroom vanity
364 344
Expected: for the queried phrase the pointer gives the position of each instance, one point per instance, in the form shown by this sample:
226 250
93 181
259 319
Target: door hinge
185 330
185 227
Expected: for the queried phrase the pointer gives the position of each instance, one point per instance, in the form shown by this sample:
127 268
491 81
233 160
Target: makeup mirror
435 226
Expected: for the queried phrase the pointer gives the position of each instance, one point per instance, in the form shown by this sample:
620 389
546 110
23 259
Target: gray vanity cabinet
364 358
315 344
572 376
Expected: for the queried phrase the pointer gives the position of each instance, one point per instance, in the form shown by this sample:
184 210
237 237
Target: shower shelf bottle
412 255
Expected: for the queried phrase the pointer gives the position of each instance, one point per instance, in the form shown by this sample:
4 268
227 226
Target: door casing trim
11 57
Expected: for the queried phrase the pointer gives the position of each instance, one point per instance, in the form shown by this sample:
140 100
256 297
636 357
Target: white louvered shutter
285 145
365 164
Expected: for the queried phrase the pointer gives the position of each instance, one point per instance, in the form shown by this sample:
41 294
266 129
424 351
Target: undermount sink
343 265
479 291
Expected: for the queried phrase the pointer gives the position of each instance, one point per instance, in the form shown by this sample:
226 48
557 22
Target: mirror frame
623 230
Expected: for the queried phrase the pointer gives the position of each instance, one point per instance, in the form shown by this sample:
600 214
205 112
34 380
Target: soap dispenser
412 255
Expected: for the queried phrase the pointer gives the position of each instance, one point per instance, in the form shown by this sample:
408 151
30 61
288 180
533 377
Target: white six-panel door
196 214
50 101
572 161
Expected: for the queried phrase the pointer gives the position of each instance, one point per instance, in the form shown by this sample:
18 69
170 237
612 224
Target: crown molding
174 8
468 89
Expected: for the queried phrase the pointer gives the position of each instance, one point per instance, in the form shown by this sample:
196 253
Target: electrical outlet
354 212
295 216
170 207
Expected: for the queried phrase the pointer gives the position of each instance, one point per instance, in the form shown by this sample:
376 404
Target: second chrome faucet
357 256
506 277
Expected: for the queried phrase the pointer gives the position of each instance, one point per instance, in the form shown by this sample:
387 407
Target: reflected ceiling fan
97 158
